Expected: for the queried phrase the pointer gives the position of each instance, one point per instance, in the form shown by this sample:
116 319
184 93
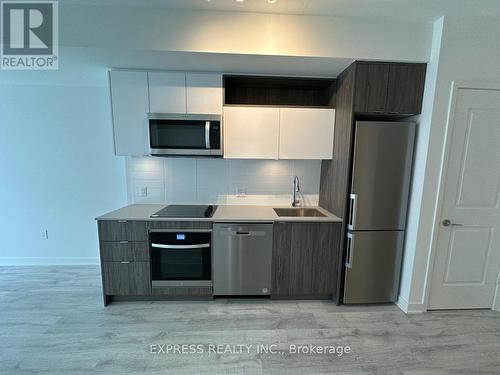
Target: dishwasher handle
238 233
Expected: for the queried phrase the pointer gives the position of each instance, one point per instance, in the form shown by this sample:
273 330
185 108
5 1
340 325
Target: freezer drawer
242 259
373 266
383 153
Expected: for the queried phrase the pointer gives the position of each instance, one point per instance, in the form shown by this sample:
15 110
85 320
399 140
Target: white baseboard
410 308
48 261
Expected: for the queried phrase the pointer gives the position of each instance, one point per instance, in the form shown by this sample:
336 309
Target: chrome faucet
296 189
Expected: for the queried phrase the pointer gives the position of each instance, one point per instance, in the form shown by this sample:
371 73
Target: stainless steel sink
298 212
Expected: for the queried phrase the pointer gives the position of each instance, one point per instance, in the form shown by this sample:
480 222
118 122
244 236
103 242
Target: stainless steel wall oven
181 258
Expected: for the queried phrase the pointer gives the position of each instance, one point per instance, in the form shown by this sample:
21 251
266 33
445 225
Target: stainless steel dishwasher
242 259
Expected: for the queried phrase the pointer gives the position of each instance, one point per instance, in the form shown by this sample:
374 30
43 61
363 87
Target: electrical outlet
44 234
144 191
241 192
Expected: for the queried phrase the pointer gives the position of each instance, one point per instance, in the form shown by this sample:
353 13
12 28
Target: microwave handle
207 134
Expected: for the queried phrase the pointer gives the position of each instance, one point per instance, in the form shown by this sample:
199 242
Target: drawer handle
122 221
125 262
123 242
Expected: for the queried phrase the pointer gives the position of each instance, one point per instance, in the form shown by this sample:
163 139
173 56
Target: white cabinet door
251 132
306 133
167 92
204 93
129 102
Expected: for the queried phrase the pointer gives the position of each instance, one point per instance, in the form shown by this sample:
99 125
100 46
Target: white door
129 102
468 247
204 93
306 133
167 92
251 132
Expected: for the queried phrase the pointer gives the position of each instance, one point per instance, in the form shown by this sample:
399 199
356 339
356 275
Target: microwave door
183 136
177 134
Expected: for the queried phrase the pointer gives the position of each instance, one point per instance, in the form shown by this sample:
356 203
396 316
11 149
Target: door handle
447 223
350 250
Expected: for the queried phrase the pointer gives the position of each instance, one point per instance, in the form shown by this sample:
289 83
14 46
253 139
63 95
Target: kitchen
182 251
254 186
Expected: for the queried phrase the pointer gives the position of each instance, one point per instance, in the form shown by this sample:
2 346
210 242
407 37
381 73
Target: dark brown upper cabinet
406 88
389 88
371 88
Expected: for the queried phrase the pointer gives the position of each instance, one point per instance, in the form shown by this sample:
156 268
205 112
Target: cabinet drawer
123 230
127 278
124 250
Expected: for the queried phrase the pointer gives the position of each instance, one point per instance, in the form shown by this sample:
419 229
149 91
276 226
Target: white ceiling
424 10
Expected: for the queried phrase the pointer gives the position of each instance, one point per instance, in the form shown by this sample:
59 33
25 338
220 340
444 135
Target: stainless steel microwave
184 134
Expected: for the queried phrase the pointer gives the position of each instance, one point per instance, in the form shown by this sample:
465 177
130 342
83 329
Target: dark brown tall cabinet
365 90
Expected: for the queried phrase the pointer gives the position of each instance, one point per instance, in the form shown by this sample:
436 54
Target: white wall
419 164
469 52
57 168
220 181
153 29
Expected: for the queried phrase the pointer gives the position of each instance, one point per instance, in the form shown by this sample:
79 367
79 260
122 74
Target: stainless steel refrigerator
378 201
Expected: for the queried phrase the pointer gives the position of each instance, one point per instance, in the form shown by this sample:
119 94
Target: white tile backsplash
180 180
220 181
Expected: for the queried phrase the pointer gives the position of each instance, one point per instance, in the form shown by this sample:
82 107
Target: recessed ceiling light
240 1
271 1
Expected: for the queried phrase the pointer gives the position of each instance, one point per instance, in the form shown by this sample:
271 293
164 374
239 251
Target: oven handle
198 246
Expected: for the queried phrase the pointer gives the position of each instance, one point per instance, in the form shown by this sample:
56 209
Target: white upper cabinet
204 93
306 133
167 92
251 132
129 102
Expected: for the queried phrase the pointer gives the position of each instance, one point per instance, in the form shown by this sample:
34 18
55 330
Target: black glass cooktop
180 210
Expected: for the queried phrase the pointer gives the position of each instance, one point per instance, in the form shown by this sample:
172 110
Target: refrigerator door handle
350 250
352 211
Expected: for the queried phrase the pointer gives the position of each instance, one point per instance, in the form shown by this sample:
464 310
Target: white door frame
455 86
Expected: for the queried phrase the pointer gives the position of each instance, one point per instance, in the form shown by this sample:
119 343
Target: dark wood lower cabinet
126 278
124 251
123 230
305 259
125 260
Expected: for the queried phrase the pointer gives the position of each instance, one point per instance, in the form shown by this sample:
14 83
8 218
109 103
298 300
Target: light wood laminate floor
52 321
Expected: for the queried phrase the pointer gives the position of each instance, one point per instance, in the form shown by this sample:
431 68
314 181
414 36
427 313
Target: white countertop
224 213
